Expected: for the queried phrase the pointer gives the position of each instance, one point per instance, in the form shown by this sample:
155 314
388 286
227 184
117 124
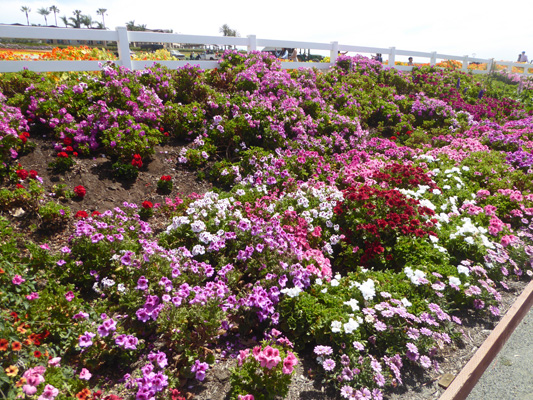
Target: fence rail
124 38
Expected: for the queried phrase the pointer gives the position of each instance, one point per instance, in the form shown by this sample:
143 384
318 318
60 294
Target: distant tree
102 11
44 12
130 26
86 20
76 22
55 10
227 31
26 10
98 25
64 19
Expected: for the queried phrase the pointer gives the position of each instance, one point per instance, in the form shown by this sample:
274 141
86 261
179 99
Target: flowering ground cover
354 213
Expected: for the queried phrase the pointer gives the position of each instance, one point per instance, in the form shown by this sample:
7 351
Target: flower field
354 214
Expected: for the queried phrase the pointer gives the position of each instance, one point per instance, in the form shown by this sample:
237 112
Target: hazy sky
457 27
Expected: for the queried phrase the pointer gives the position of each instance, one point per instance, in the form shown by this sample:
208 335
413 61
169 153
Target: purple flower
107 327
199 368
142 283
425 362
69 296
86 340
329 364
323 350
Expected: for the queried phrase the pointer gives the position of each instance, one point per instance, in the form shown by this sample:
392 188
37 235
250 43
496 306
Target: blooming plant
265 371
164 184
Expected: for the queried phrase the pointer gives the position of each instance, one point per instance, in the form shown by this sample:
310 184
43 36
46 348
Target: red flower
33 174
3 344
23 138
81 214
19 186
37 354
166 178
62 154
69 148
147 204
16 346
137 161
393 138
95 213
75 154
22 173
80 191
67 141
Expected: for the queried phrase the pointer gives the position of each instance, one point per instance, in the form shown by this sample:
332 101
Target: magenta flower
69 296
199 368
86 340
49 393
85 374
17 280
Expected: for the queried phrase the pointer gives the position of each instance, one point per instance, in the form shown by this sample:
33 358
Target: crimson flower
62 154
22 173
81 214
33 174
80 191
147 204
137 161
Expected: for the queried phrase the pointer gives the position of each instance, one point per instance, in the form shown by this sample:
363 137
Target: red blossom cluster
375 217
81 214
137 161
147 204
166 178
24 137
80 191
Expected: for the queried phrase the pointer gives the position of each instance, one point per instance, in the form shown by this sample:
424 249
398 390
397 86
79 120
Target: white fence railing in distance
124 38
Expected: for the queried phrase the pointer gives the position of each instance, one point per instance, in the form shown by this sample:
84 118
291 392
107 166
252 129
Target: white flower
354 304
198 250
334 282
454 281
198 226
469 240
463 270
107 282
406 303
351 326
292 292
367 289
336 326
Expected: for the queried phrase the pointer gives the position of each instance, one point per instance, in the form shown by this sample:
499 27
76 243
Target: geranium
164 184
80 191
22 173
81 214
137 161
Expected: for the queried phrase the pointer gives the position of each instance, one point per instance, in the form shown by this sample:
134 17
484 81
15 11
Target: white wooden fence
123 38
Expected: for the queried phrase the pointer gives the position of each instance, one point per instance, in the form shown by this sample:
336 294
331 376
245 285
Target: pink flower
289 363
85 374
69 295
17 280
269 357
49 393
54 362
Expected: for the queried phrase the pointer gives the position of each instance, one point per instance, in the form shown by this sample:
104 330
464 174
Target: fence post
334 53
464 68
433 59
490 66
123 46
252 43
392 58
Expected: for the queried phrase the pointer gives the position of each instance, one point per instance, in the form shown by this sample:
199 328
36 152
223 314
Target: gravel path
510 375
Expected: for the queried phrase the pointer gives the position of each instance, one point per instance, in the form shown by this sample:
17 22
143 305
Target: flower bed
356 211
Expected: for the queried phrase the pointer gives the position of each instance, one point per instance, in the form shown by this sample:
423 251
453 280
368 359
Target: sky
455 27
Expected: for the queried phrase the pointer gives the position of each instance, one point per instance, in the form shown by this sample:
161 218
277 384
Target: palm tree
227 31
55 10
44 12
26 10
86 20
76 22
102 11
65 21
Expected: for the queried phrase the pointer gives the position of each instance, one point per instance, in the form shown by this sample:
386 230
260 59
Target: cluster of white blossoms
417 277
469 231
367 288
